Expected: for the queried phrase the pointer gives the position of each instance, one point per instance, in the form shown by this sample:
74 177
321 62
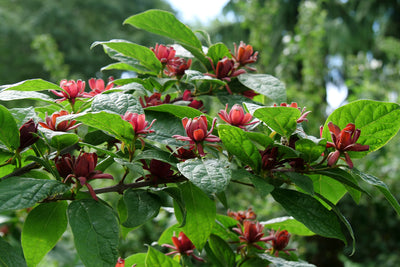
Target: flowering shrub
183 127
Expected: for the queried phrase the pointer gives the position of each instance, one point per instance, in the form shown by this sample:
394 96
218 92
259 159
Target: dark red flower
343 141
164 53
249 94
154 100
236 116
97 86
241 216
51 122
138 122
250 234
244 54
279 241
225 70
303 114
183 246
182 153
196 131
82 169
27 134
158 170
177 67
270 158
197 104
71 90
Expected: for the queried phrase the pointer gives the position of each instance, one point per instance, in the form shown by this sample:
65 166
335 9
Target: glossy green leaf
9 132
116 103
200 214
19 193
279 262
143 54
310 150
108 122
330 188
237 143
378 122
282 120
139 259
310 212
381 186
96 232
42 229
288 223
9 256
22 115
60 140
302 181
32 85
178 111
222 227
141 206
217 52
222 251
266 85
261 185
194 76
210 175
166 236
156 258
341 176
18 95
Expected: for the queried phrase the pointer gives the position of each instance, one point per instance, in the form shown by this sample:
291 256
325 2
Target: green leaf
19 193
381 186
279 262
42 229
192 76
9 132
22 115
302 181
310 150
60 140
108 122
166 236
378 122
141 206
210 175
32 85
222 251
139 259
266 85
143 54
178 111
262 185
155 258
310 212
330 188
96 232
290 224
9 256
342 176
218 51
222 227
116 103
17 95
282 120
238 144
166 24
200 214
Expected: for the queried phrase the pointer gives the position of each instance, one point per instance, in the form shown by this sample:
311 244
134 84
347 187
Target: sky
195 10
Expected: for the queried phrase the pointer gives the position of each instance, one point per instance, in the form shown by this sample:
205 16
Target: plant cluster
189 121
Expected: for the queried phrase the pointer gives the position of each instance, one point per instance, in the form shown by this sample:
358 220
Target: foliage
159 135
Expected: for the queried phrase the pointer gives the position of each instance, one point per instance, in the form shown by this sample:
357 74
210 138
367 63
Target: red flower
81 168
71 90
270 158
343 141
120 263
303 114
196 131
236 116
183 245
187 96
138 122
250 234
182 153
164 53
244 55
62 126
279 241
154 100
27 134
177 67
159 170
225 70
241 216
97 86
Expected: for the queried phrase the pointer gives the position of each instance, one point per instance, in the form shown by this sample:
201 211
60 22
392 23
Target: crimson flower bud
27 134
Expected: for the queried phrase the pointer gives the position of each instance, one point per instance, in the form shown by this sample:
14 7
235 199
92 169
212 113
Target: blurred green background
326 52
